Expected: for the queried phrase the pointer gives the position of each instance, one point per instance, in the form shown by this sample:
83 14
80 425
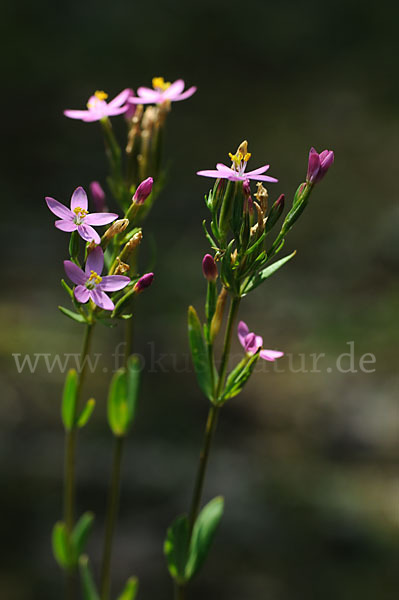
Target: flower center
80 214
93 280
239 161
158 83
101 95
98 98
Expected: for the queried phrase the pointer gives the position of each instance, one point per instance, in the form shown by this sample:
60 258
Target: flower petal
59 209
74 273
242 331
270 355
174 89
147 95
113 283
212 173
259 171
99 218
82 294
88 234
112 111
262 178
95 261
76 114
101 299
79 199
66 225
120 98
187 94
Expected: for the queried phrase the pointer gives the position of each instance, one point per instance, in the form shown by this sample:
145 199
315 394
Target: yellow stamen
247 156
95 277
160 83
80 212
100 95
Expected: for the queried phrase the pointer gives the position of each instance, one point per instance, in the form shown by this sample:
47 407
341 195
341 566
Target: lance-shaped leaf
80 533
122 397
62 548
176 548
72 315
88 585
199 353
86 413
69 399
265 273
130 590
202 536
239 377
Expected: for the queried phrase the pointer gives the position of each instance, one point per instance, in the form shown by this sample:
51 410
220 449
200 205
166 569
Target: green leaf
80 533
61 545
130 590
239 377
69 399
133 387
176 548
199 353
74 246
86 413
256 244
265 273
117 402
203 533
66 287
72 315
88 585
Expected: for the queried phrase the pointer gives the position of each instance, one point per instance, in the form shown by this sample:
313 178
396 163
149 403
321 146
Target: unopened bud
143 191
248 203
98 196
209 268
275 212
144 282
218 316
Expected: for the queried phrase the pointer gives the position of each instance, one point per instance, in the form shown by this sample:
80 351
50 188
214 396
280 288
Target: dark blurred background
307 461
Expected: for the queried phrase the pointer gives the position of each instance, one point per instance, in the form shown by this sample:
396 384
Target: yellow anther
160 83
95 277
247 156
80 212
100 95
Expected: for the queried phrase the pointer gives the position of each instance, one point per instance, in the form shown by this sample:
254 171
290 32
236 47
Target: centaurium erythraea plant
243 248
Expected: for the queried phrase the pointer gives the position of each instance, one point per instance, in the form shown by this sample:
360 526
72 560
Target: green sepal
297 209
274 215
86 413
238 210
265 273
227 208
66 287
74 247
122 397
130 590
256 244
202 536
62 549
208 236
72 315
199 353
176 548
81 533
122 302
238 378
88 585
69 399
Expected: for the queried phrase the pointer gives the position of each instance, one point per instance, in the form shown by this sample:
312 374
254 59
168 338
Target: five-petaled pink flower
162 91
318 164
77 218
90 284
252 342
98 108
237 170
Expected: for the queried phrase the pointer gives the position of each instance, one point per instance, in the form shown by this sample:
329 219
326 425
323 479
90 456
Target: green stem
112 511
70 440
235 303
180 592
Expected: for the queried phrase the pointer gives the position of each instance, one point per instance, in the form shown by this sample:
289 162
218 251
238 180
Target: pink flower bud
318 164
144 282
98 196
143 191
209 268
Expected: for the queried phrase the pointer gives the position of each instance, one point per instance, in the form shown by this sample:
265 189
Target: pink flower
77 218
162 91
90 284
318 164
97 107
237 171
252 342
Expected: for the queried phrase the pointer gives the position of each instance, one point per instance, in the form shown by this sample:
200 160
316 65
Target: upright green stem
112 511
70 440
209 434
